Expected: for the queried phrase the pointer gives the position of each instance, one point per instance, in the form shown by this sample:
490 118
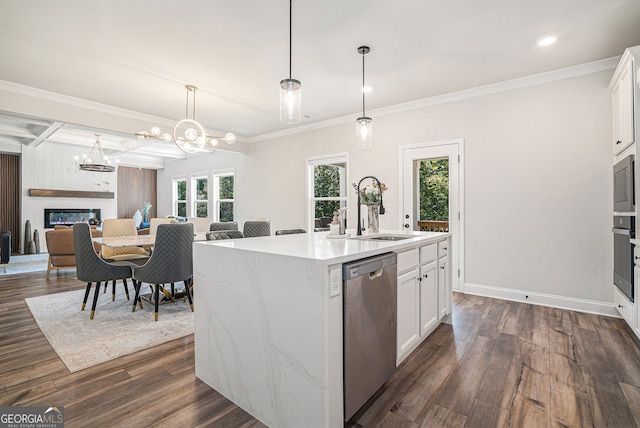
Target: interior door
410 160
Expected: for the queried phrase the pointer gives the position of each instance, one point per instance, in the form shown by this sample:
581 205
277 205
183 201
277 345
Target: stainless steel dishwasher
369 298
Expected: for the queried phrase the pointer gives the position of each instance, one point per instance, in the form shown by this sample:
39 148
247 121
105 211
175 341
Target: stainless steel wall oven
623 232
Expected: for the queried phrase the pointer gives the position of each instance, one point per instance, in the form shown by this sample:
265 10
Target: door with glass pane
432 194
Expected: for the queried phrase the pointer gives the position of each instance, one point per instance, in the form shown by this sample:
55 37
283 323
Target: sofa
60 248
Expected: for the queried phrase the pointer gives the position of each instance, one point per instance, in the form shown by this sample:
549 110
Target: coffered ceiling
136 56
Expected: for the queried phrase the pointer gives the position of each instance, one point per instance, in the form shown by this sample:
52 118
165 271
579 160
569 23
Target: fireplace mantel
51 193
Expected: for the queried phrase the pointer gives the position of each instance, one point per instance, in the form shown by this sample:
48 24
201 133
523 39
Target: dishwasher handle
377 274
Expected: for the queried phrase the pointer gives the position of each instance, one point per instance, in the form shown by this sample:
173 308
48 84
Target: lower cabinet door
408 313
444 288
428 298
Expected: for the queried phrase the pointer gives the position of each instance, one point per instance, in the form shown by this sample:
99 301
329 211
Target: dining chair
170 262
122 227
289 231
155 222
253 228
223 225
91 268
217 235
200 224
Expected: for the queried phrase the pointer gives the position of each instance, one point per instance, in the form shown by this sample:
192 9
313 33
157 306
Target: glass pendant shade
364 132
290 101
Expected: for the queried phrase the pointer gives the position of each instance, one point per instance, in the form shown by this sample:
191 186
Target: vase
137 217
374 218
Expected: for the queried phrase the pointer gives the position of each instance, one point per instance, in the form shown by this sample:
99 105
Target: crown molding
507 85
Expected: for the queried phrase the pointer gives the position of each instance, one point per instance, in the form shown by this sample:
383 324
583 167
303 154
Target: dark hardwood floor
500 364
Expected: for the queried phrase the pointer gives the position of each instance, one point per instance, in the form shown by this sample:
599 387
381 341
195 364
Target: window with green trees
223 196
180 198
434 189
327 190
200 188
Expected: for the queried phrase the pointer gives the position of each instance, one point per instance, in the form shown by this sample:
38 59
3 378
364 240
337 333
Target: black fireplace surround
69 216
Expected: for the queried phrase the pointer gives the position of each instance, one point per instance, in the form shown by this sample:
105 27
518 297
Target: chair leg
188 292
137 285
95 299
157 293
173 293
86 295
48 267
126 287
106 283
113 290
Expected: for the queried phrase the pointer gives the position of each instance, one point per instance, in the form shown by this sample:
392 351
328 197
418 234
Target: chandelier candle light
96 160
188 135
364 127
290 91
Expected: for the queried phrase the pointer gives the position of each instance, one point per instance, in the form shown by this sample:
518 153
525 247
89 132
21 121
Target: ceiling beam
42 137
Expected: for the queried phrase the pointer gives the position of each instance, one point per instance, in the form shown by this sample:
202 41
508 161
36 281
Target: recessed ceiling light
546 41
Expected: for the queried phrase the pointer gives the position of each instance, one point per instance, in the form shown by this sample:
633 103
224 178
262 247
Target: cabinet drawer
443 248
429 252
408 260
625 307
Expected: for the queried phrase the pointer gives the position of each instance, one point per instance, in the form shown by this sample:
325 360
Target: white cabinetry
408 303
622 92
444 285
423 284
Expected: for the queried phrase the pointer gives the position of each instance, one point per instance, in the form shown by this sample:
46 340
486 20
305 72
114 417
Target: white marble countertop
318 246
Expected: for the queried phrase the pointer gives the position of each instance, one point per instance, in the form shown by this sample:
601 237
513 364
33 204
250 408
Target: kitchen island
268 318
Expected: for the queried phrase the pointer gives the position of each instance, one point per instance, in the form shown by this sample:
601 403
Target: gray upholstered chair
289 231
223 225
91 268
253 228
224 234
170 262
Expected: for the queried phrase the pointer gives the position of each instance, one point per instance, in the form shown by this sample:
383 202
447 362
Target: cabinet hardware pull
620 306
444 248
618 142
441 267
426 276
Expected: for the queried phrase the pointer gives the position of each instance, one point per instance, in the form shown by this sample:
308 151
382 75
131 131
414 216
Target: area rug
113 332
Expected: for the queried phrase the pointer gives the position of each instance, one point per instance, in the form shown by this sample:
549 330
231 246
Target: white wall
54 168
537 181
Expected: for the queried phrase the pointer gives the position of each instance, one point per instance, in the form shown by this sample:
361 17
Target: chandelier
290 92
364 127
188 135
96 161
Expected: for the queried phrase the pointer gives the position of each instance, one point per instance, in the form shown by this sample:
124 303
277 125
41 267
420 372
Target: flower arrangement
146 207
372 193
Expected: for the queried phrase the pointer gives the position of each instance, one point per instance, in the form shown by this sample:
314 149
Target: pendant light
96 160
290 92
188 135
364 127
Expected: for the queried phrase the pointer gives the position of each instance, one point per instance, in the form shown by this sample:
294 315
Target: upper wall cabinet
624 95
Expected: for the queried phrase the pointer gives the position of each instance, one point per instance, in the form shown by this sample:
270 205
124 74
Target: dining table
137 240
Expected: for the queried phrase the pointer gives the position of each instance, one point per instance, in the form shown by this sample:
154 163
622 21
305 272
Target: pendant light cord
363 115
290 37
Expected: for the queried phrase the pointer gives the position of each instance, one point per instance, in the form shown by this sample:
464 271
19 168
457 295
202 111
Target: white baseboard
552 300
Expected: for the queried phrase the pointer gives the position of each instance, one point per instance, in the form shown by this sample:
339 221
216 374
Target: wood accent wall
135 187
10 198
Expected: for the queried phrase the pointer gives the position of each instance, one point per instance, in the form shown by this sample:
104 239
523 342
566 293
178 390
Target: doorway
432 194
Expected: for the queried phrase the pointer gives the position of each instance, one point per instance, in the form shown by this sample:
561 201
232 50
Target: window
223 196
200 196
180 198
327 177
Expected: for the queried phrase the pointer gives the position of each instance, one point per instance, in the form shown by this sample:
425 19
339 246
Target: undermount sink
383 237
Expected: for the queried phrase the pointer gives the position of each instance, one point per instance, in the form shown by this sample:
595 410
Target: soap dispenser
334 227
342 220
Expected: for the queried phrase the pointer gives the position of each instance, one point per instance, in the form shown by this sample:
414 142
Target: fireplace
69 216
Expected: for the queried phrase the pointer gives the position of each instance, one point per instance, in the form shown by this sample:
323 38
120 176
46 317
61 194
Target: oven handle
619 231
